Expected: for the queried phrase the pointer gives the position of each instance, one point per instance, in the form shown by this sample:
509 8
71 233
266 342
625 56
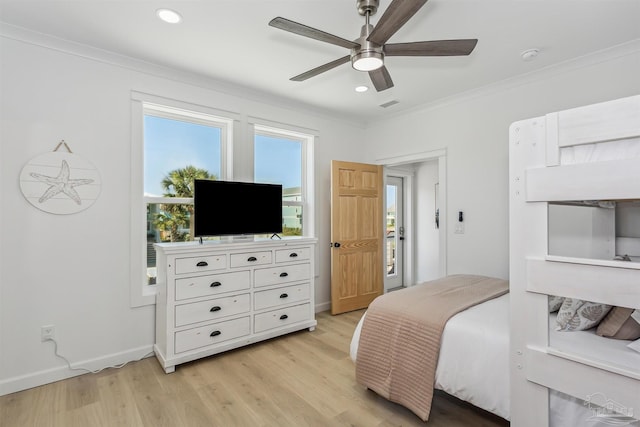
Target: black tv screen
225 208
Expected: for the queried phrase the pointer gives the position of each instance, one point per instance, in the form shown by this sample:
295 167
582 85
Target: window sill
147 296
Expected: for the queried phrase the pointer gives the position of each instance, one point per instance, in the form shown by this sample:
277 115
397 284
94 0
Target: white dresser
216 296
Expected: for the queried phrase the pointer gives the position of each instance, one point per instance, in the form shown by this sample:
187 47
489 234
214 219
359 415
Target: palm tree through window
178 149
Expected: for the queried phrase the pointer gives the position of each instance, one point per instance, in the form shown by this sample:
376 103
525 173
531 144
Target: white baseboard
35 379
325 306
62 372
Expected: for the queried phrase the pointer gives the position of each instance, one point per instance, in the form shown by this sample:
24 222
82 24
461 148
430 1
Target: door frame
395 163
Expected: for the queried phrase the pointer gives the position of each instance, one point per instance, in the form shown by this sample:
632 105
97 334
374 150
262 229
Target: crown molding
24 35
27 36
631 47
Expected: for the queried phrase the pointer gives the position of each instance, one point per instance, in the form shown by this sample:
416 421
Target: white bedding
481 375
474 362
588 344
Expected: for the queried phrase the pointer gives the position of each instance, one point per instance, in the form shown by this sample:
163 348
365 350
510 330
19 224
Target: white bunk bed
584 154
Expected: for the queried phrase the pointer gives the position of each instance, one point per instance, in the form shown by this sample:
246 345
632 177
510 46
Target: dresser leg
311 329
169 369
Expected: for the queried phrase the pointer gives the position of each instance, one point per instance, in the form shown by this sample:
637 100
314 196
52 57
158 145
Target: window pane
278 161
165 223
392 200
172 145
291 220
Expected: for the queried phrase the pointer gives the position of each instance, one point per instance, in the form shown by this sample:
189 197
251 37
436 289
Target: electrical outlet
47 332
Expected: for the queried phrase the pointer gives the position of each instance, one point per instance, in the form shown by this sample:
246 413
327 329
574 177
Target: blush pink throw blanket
400 338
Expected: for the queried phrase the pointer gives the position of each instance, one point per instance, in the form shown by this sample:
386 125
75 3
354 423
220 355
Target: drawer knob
215 284
215 308
252 259
293 255
202 264
284 317
284 295
285 274
215 333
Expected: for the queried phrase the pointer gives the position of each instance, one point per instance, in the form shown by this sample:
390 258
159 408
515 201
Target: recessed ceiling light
529 54
361 88
168 15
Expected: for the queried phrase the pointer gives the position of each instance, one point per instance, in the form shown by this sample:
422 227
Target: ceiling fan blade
303 30
396 15
321 69
431 48
381 79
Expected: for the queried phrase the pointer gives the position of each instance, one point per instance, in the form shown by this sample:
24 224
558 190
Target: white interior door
394 233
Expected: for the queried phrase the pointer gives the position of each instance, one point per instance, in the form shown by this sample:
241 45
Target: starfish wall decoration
61 184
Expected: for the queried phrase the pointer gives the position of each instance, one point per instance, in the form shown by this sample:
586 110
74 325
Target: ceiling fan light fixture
367 61
368 51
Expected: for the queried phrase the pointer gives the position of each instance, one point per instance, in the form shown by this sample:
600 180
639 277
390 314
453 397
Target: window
284 157
174 142
174 146
178 148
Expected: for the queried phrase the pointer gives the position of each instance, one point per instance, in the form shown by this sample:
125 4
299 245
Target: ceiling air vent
389 104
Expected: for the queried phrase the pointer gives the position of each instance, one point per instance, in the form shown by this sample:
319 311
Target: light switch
459 224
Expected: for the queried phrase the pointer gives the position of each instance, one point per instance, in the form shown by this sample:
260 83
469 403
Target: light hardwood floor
302 379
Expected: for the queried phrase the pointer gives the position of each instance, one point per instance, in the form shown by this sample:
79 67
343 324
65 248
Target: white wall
628 219
427 257
581 231
73 270
473 128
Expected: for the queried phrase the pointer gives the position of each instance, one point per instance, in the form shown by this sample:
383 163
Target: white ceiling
230 41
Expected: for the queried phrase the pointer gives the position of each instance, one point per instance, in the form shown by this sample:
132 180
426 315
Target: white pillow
579 315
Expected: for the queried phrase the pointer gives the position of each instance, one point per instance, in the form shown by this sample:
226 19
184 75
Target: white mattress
480 375
474 362
595 347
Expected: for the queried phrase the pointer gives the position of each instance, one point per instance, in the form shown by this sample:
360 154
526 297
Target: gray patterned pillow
579 315
554 303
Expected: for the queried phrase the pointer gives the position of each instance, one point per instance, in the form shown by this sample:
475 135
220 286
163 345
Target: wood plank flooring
302 379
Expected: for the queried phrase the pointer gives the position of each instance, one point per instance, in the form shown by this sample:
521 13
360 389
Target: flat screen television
229 208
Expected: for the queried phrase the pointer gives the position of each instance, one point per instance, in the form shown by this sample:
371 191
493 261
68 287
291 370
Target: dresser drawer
293 254
281 296
201 286
282 274
282 317
212 309
199 264
212 334
250 258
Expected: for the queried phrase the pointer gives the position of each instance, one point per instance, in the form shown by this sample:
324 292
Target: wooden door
356 235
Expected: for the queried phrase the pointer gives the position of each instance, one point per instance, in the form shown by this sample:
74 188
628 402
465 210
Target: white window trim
308 137
141 103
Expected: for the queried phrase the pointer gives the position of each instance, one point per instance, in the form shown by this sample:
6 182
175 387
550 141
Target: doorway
424 217
394 233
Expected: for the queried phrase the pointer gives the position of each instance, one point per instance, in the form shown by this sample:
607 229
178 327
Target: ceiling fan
369 50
